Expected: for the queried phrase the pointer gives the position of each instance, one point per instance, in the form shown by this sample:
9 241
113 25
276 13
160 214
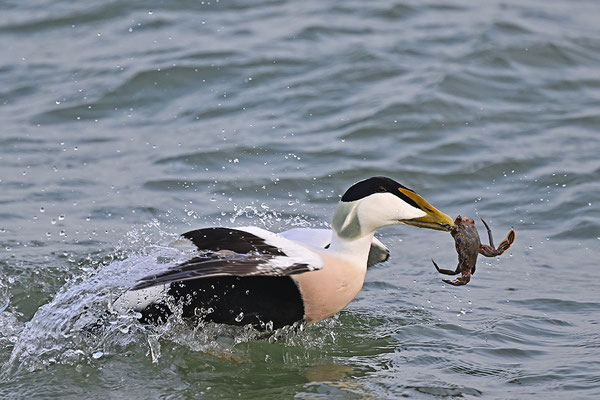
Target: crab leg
489 231
491 251
445 271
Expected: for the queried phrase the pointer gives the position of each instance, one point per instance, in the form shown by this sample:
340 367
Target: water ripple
192 114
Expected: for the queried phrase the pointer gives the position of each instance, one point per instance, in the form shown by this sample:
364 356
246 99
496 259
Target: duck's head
379 201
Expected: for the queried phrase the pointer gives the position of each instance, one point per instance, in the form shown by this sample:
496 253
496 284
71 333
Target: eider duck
248 275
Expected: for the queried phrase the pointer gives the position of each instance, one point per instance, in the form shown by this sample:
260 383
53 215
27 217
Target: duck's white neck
355 250
350 239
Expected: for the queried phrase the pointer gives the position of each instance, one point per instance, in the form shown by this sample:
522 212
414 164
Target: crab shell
461 223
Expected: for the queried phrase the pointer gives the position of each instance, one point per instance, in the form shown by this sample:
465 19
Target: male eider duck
252 276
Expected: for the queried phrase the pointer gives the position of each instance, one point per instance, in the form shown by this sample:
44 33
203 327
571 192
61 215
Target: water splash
268 217
264 214
80 325
57 332
4 296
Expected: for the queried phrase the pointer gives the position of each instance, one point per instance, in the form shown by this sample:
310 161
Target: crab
468 246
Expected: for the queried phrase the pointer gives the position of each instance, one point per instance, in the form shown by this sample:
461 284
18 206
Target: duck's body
312 283
253 276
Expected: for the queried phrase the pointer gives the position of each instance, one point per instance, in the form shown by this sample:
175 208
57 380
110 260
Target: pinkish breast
327 291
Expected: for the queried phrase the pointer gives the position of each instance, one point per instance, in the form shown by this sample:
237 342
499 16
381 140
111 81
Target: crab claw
505 244
461 280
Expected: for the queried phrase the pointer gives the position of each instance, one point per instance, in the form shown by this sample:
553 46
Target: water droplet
63 233
53 221
239 317
57 101
61 217
42 209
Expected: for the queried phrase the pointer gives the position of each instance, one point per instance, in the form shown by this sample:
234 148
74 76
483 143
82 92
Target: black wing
229 252
241 242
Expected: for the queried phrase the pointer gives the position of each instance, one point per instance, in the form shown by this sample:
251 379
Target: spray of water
79 323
